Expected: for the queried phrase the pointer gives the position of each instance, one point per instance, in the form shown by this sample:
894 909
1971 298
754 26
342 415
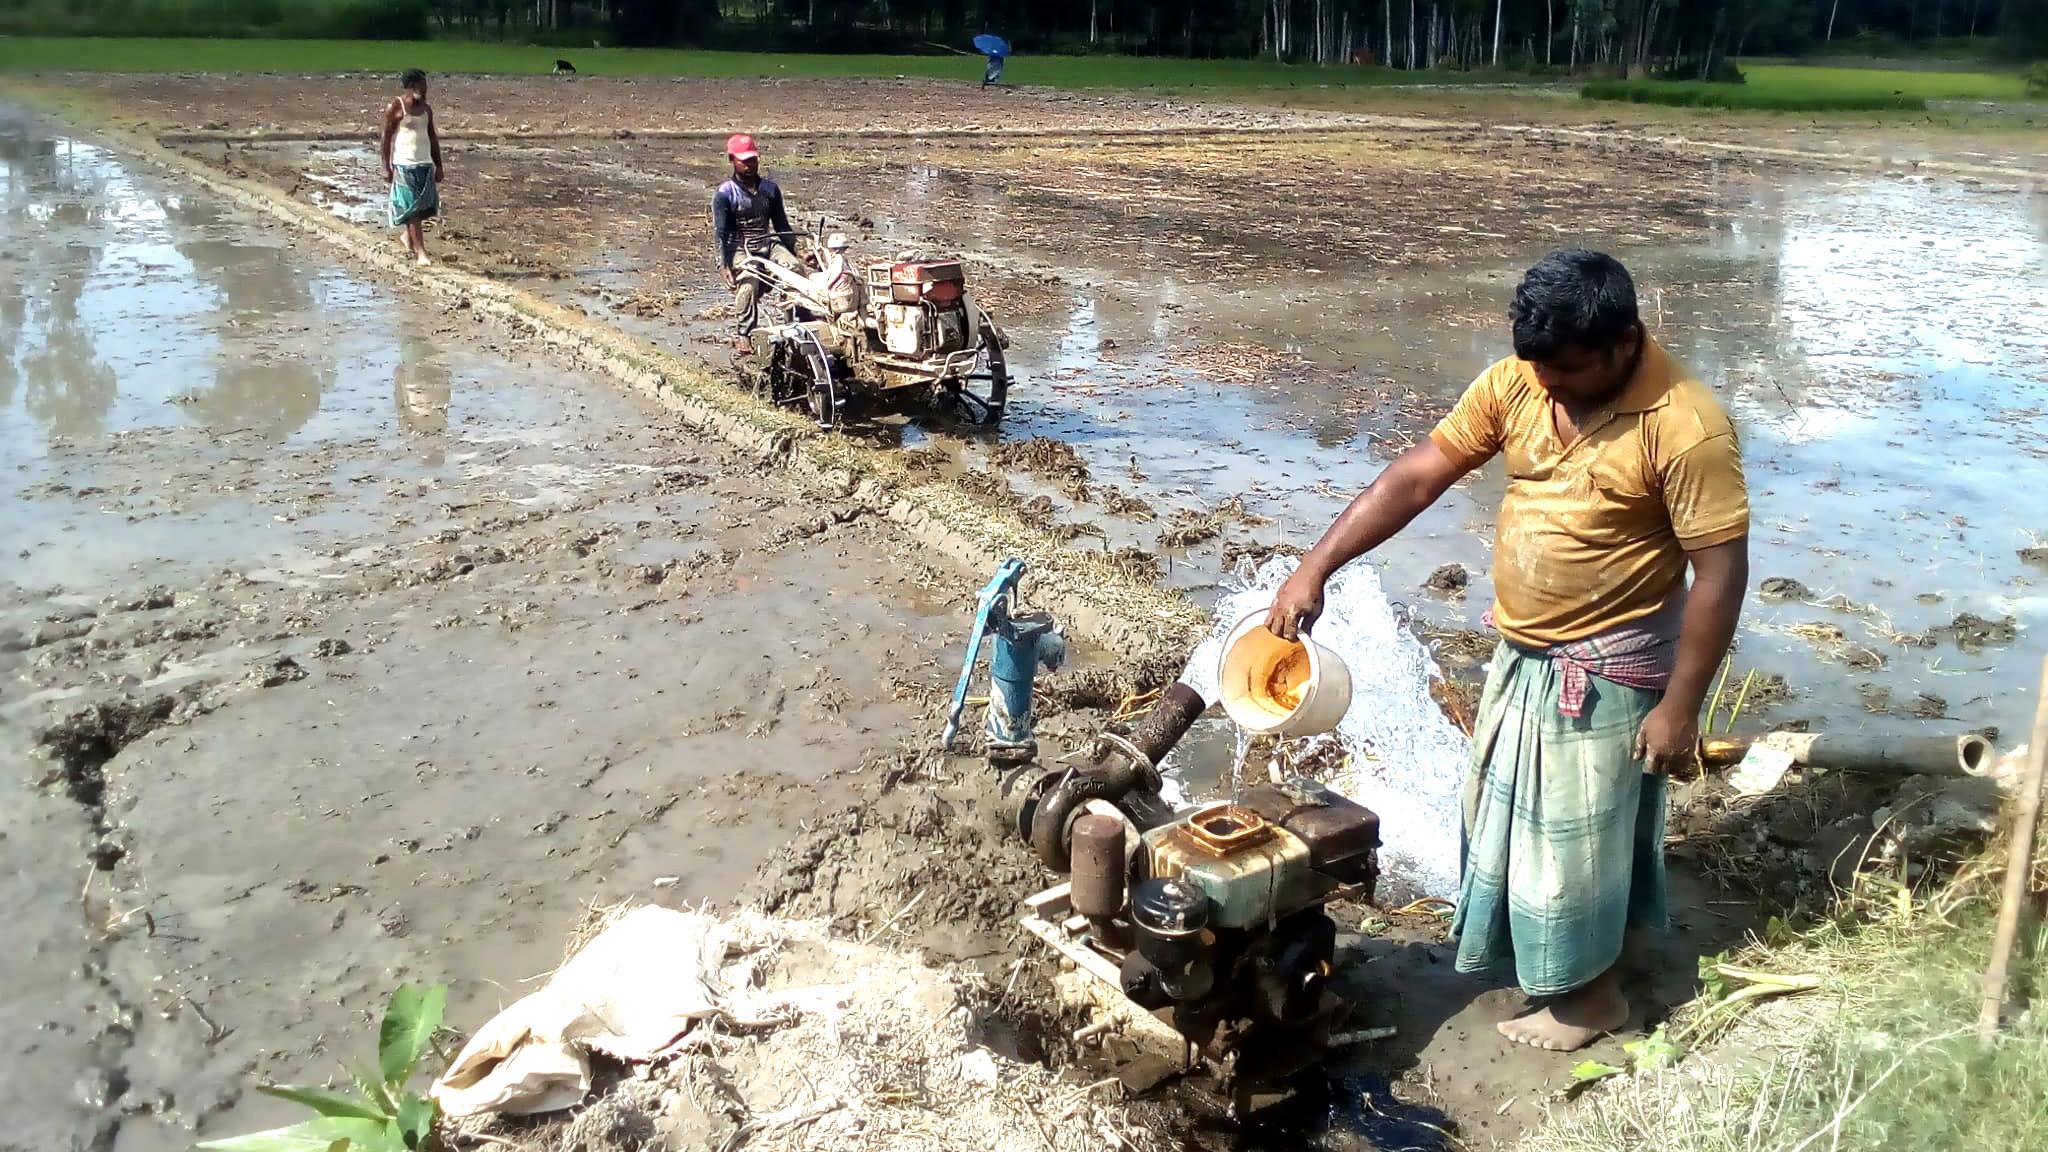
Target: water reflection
66 386
262 386
13 312
123 297
64 383
421 391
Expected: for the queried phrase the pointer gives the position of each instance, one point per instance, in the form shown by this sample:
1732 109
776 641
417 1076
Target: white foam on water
1407 758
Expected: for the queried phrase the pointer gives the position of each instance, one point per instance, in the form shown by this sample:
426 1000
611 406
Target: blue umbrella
990 44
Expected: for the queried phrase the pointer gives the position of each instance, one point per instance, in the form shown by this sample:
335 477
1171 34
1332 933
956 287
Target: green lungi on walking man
1622 472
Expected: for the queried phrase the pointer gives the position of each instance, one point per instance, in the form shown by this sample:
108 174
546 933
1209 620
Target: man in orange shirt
1623 471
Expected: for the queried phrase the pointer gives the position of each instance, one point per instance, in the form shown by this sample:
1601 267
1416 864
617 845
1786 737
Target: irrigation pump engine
1213 919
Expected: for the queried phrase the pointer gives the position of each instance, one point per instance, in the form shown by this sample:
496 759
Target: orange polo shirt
1593 535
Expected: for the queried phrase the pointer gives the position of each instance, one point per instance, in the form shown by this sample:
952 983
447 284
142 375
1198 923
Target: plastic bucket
1281 687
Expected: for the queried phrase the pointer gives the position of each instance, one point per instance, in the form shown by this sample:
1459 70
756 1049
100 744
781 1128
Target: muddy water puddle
343 642
1878 339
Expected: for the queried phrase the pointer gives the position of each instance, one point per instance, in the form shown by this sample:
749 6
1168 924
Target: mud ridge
1098 600
1355 125
1131 136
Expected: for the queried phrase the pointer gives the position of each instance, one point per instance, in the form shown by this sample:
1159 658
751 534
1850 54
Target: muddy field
357 647
350 641
355 641
1233 334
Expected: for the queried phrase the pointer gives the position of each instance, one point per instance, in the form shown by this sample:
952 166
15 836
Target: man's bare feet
421 259
1571 1021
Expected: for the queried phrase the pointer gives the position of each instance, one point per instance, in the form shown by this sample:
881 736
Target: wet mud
317 691
1270 319
422 500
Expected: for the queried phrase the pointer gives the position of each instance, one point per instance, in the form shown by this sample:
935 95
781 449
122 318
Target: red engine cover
927 272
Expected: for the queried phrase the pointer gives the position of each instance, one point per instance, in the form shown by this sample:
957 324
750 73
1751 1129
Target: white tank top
410 144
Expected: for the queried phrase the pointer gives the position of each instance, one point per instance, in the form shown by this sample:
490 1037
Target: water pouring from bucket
1271 686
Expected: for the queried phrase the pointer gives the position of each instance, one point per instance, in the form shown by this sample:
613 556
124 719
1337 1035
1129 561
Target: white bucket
1281 687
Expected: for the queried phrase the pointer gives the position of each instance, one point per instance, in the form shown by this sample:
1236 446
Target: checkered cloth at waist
1638 655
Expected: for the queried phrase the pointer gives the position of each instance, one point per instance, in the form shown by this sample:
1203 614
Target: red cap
741 147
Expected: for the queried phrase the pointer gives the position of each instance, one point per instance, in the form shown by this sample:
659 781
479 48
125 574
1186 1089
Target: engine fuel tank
1252 870
1342 835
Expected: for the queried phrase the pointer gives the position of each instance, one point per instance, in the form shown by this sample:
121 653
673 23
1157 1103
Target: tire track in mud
80 747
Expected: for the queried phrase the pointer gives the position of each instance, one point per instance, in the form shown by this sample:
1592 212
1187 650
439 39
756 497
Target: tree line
1634 37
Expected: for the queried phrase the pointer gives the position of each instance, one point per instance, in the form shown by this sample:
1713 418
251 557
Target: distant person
747 216
997 50
1622 472
412 161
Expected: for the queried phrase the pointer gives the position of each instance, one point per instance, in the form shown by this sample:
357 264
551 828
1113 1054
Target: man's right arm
1414 481
722 228
391 115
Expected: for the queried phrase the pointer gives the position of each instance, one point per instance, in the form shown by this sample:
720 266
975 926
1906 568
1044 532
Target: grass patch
1803 88
1927 84
86 54
1882 1054
1743 97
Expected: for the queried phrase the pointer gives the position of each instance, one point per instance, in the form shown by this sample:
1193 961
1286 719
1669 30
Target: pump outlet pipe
1126 774
1967 754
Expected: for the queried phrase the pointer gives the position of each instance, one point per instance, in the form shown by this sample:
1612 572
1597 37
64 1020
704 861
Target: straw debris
1235 363
888 1055
1856 1033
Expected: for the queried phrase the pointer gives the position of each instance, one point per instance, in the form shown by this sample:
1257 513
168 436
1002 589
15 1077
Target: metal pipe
1169 720
1965 755
1049 820
1127 776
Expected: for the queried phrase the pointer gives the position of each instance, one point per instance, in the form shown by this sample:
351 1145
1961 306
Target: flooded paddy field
343 646
1233 335
285 508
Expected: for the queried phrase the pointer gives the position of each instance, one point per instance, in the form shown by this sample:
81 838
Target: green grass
1805 88
1882 1055
1742 97
58 54
1798 79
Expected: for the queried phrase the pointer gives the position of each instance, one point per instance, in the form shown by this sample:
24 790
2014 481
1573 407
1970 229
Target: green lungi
413 194
1564 832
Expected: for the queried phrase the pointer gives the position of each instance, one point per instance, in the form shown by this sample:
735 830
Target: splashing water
1407 761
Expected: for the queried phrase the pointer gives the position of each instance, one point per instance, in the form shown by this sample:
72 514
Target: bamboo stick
2019 873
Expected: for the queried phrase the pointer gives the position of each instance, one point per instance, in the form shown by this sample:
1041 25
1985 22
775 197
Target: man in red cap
747 215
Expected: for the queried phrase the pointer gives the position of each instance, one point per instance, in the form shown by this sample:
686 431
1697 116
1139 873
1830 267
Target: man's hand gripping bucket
1281 687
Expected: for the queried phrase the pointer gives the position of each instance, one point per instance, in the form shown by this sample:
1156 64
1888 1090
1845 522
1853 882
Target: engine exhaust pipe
1169 720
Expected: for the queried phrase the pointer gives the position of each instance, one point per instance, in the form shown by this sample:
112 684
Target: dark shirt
754 220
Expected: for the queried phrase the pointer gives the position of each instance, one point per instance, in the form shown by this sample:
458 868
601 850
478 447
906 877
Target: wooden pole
2019 872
